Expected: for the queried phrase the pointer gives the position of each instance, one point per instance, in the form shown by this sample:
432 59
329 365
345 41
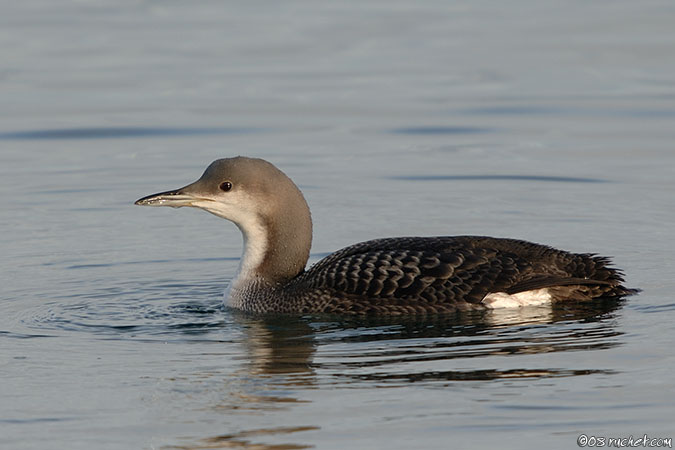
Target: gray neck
277 240
288 244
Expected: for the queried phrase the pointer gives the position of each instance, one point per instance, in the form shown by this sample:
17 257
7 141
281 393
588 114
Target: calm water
547 121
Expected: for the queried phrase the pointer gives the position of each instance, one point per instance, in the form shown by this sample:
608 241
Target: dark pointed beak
175 199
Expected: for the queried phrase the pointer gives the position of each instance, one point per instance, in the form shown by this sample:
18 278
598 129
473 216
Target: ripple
122 132
442 130
13 335
542 178
132 310
654 308
37 420
529 110
146 262
474 375
519 110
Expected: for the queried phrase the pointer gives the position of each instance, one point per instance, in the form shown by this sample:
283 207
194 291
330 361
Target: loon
391 276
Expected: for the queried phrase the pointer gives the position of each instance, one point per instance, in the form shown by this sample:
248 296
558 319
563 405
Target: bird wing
448 271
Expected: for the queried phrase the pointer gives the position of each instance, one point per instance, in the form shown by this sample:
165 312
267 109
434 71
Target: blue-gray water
547 121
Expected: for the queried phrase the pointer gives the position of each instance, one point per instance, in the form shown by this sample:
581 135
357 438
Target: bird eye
225 186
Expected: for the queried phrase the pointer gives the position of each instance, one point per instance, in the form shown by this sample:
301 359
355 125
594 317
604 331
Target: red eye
225 186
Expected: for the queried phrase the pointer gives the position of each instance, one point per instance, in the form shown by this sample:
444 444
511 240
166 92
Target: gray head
263 202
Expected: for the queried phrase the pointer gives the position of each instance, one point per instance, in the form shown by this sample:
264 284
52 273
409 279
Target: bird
400 276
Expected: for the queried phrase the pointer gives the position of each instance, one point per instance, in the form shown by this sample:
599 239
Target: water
545 121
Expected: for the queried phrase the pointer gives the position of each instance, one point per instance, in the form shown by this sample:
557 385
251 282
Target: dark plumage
442 274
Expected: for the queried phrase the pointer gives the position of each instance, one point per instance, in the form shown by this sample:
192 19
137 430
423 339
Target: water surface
539 121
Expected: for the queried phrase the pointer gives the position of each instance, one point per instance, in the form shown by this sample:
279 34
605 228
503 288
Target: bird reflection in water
286 357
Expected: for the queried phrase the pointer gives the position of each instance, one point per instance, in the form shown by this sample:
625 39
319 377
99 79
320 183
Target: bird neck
277 241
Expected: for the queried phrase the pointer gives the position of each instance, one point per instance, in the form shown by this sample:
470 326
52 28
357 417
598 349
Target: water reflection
309 351
242 440
287 358
280 346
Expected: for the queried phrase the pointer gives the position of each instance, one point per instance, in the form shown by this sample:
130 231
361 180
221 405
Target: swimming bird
391 276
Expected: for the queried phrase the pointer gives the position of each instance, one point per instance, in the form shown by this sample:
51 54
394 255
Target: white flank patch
537 297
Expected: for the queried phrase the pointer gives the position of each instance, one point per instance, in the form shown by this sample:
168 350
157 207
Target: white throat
252 256
256 245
